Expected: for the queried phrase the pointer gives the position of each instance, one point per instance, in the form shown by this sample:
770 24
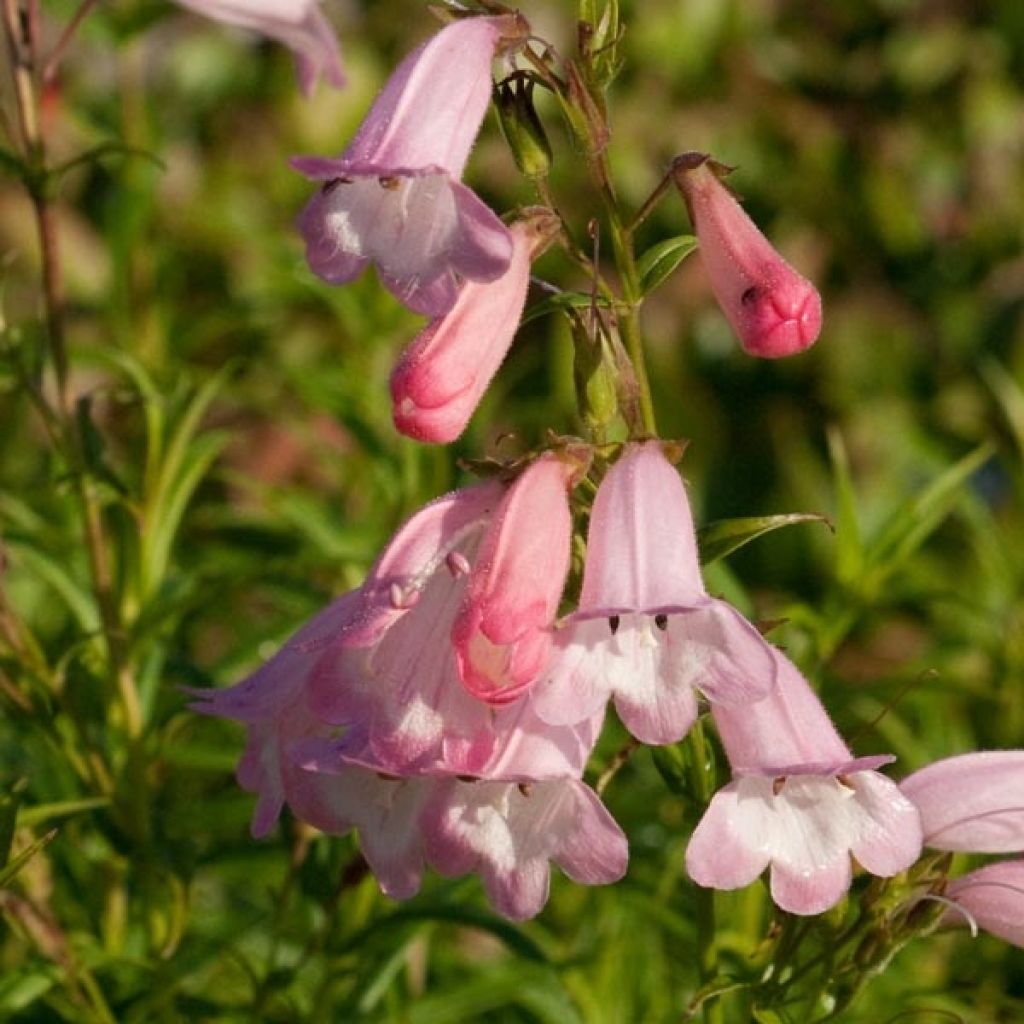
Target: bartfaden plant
548 662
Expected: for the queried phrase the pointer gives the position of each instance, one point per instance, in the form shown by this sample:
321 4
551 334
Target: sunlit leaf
658 262
724 536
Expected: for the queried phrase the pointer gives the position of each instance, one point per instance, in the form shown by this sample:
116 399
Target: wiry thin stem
21 29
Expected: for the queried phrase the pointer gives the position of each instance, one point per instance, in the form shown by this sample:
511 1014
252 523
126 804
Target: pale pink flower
504 830
394 196
799 804
774 311
502 634
441 377
393 682
993 896
508 833
299 24
972 803
646 632
524 806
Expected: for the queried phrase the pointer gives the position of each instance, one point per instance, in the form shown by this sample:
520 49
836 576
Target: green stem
629 309
24 61
702 782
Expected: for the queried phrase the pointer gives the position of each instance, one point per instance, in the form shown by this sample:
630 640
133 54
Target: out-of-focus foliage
248 470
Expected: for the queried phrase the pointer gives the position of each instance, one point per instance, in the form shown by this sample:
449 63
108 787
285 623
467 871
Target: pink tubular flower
506 831
502 635
509 832
646 632
800 804
393 682
394 195
993 896
524 807
299 24
440 379
774 311
972 803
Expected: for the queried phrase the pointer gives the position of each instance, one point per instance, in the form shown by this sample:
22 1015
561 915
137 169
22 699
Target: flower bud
522 127
774 311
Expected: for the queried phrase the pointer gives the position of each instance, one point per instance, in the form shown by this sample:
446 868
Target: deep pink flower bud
799 804
394 195
774 311
646 632
973 803
299 24
441 377
502 635
993 897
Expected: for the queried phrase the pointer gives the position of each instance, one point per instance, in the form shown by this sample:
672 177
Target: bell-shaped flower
502 634
799 804
523 808
394 196
299 24
272 704
646 632
972 803
442 376
394 683
508 832
774 311
992 898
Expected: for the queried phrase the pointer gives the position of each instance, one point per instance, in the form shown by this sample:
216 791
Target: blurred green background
879 144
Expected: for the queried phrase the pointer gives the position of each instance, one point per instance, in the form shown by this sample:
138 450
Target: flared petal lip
870 763
322 168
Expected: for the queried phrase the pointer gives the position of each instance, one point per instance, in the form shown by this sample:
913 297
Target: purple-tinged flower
774 311
993 896
502 635
393 682
394 196
799 804
646 632
272 705
972 803
441 377
299 24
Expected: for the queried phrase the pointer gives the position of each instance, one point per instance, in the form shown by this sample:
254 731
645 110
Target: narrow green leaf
721 538
12 867
518 942
105 149
658 262
79 602
167 514
1010 396
60 809
849 543
9 802
559 302
712 989
918 518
